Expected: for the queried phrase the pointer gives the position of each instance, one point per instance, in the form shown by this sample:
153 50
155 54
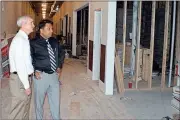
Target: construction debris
72 94
125 98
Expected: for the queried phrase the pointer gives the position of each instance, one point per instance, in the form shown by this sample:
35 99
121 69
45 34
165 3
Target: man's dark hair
42 23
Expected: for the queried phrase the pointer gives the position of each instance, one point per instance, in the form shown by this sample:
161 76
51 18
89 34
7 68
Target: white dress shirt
20 58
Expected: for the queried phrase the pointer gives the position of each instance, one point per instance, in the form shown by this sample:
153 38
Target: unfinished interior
124 46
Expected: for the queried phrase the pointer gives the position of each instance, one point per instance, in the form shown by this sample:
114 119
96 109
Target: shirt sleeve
61 56
32 53
20 63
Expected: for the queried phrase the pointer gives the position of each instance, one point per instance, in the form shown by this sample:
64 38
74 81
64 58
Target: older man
48 59
21 68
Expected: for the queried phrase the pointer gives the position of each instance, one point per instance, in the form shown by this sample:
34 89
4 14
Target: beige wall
27 10
38 18
9 17
104 8
108 10
65 9
13 10
69 7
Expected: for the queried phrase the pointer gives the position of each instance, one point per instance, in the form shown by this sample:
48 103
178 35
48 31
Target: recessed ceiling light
43 9
44 5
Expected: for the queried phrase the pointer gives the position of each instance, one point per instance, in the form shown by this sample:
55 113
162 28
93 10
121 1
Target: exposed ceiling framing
37 7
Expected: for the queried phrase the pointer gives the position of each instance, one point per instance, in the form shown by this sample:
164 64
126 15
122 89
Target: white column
74 33
110 48
96 45
172 43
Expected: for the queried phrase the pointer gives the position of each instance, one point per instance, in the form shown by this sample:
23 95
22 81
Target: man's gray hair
22 20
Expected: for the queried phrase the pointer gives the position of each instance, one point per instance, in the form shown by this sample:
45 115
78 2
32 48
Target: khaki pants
20 104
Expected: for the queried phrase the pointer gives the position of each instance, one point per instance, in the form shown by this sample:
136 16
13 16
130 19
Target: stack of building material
175 102
119 74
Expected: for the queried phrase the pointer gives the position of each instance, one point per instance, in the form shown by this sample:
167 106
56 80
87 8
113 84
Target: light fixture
43 9
57 8
44 5
43 12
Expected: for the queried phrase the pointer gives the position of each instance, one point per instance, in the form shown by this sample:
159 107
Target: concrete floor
81 98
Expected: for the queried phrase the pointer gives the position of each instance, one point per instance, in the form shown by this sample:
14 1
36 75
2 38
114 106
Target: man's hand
38 75
28 91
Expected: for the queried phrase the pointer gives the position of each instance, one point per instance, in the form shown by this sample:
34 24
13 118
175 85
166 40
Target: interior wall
27 10
65 8
107 86
38 18
104 7
68 8
11 12
9 16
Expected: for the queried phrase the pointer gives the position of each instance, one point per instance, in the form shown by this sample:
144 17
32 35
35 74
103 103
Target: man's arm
61 56
32 53
37 72
21 64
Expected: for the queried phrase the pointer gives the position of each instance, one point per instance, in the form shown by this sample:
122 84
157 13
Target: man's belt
16 73
45 71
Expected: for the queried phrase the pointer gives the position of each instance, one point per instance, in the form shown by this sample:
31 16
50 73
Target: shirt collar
23 34
43 38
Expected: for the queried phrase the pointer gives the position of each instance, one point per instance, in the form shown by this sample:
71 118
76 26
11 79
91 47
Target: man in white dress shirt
21 68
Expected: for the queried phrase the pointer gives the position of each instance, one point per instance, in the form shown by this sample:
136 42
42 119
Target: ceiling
37 7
